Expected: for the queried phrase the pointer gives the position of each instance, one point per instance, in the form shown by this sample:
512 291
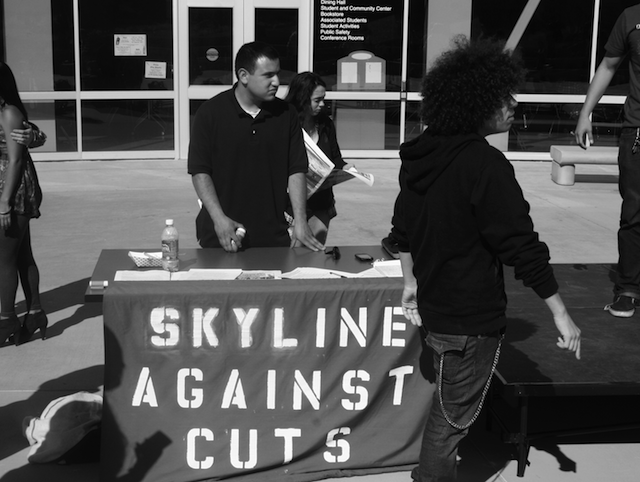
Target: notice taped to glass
348 20
342 27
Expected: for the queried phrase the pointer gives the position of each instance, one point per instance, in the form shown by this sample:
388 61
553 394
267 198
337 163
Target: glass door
212 31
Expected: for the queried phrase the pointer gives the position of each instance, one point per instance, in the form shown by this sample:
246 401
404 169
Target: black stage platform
540 390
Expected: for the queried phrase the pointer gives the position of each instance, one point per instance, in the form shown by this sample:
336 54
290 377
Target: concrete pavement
93 205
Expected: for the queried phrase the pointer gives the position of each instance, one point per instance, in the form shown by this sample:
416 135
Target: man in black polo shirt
246 150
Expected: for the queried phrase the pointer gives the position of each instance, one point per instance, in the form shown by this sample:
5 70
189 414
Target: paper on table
317 273
149 275
260 274
371 273
197 274
383 269
390 268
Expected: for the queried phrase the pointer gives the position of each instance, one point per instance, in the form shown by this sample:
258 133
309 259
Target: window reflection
555 51
138 125
413 124
339 33
210 54
417 45
101 22
279 28
57 119
62 44
367 124
538 126
36 40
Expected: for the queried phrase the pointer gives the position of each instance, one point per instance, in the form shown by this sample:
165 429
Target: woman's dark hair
301 89
9 89
468 84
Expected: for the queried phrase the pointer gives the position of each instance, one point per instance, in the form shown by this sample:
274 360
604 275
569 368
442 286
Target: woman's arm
10 118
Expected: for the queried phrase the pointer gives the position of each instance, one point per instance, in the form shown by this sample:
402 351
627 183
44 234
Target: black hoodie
462 215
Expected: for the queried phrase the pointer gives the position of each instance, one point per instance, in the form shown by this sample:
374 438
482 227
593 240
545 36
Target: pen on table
338 274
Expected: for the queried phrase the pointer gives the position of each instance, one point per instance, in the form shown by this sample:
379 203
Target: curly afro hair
467 85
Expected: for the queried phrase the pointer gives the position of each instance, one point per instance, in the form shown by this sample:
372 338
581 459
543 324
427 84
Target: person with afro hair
460 216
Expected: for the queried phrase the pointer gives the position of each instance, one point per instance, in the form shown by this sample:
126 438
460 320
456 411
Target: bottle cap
169 222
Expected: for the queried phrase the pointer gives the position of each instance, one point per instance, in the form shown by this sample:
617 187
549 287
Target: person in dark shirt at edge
623 41
460 216
306 93
246 152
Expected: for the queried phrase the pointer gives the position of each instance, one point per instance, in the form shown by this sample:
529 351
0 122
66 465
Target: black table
541 391
284 259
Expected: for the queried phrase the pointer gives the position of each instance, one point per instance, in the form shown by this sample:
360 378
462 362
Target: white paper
260 274
129 45
389 268
373 73
317 273
198 274
371 273
320 166
205 274
349 73
148 275
155 70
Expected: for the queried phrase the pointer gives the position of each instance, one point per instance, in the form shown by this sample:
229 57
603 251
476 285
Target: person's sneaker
623 306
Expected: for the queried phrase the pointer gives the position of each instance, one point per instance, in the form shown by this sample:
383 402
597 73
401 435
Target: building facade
122 79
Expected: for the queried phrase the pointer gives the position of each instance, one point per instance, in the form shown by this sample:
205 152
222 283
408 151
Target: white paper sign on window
373 73
155 70
130 45
349 73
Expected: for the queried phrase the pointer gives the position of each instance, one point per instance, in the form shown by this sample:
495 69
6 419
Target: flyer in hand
322 173
320 166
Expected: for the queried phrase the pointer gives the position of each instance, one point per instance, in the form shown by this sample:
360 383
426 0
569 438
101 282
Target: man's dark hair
249 54
467 85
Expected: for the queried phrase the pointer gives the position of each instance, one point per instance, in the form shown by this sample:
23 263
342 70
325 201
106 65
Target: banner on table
212 380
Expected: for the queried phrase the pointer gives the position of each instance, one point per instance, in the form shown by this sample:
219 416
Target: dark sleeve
298 161
39 137
398 229
201 144
503 220
616 45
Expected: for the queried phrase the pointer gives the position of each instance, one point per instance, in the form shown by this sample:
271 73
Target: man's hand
410 305
226 232
569 338
302 234
601 80
23 136
583 133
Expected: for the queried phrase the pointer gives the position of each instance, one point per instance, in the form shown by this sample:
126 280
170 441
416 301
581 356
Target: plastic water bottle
170 261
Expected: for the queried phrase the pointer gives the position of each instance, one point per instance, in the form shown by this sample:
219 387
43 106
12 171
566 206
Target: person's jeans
628 281
466 369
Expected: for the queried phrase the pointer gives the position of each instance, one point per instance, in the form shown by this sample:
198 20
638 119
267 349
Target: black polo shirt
250 161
